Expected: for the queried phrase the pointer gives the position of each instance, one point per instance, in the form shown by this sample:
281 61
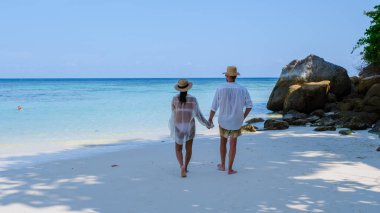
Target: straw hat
183 85
231 71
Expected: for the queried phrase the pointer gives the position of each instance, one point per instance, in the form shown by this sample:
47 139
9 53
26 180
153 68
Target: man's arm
212 114
214 106
247 111
248 104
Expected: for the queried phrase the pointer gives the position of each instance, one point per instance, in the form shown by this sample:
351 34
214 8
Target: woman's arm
199 116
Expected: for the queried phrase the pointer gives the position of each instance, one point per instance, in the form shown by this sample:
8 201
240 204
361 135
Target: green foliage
371 40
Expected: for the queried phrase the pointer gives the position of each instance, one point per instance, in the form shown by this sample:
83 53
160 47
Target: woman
182 123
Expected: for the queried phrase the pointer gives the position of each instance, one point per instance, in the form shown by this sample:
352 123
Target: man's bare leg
231 155
178 152
223 152
189 151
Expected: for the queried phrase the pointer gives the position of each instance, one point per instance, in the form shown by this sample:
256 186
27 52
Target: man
231 99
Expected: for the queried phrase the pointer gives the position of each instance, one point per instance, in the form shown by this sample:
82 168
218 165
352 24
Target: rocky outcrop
371 101
370 70
310 69
318 93
356 120
350 104
368 82
307 97
294 99
275 125
356 124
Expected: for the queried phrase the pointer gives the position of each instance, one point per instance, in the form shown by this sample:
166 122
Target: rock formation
318 93
370 70
310 69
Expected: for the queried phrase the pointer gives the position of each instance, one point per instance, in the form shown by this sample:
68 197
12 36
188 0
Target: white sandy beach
296 170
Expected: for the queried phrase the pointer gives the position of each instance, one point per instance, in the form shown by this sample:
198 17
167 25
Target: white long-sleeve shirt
231 99
182 120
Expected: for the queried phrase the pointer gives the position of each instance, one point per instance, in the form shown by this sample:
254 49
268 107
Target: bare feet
183 171
221 167
231 172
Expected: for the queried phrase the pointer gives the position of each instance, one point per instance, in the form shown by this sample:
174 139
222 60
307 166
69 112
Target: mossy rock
346 132
248 128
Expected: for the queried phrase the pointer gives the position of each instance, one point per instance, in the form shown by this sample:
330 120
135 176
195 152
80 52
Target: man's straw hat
183 85
231 71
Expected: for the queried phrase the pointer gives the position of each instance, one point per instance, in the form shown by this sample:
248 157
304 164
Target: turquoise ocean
60 113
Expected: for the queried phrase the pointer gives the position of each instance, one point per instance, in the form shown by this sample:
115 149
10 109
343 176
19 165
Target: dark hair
182 97
232 78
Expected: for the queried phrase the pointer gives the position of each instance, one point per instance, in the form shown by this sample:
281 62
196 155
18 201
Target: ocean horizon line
129 78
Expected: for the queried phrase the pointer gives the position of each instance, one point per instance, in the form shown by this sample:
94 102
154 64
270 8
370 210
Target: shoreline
76 149
55 147
11 156
293 170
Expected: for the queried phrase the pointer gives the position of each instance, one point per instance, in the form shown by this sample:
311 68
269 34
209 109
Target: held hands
212 113
210 124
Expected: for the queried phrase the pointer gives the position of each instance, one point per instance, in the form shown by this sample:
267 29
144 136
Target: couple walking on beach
230 98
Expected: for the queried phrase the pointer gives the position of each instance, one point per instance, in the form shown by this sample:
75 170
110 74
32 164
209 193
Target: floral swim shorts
229 133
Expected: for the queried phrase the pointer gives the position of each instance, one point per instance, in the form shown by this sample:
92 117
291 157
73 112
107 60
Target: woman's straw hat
231 71
183 85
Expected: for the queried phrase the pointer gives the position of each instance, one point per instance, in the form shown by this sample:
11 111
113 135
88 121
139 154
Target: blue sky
161 38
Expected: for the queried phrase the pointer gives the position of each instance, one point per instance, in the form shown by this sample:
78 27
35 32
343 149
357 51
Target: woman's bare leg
189 151
178 152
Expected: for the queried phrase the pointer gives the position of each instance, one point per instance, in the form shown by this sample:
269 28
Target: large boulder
351 104
310 69
331 107
294 99
354 80
331 98
275 125
370 70
366 83
371 101
307 97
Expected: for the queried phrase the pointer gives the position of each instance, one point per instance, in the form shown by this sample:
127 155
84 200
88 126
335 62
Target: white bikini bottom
183 127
